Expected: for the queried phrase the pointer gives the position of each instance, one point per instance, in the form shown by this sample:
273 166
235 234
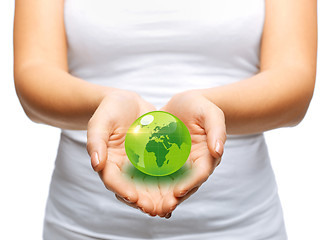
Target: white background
28 151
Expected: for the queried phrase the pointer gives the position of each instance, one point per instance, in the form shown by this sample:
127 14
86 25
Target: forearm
52 96
268 100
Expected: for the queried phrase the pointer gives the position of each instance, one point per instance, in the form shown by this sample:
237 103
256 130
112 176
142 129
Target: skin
278 96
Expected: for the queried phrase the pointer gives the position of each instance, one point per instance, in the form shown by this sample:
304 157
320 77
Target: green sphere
158 143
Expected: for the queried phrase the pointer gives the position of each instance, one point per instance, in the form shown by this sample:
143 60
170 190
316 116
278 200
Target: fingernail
127 199
182 193
168 215
219 148
95 160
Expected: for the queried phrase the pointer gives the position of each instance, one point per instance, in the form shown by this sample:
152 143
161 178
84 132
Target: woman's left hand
206 124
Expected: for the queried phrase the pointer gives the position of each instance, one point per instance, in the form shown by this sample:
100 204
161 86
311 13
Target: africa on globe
158 143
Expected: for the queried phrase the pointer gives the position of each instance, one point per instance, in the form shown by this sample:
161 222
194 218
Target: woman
223 67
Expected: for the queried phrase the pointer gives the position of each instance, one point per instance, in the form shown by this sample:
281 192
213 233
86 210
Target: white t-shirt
159 48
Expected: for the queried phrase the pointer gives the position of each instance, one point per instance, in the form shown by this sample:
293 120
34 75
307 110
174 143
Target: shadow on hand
140 177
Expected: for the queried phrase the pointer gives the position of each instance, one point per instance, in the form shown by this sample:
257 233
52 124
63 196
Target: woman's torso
158 48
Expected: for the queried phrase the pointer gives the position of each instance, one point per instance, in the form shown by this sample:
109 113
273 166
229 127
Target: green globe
158 143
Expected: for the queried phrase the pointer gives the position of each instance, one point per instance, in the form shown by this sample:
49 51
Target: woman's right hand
105 144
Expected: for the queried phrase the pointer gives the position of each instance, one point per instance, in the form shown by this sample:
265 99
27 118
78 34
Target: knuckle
224 136
89 146
178 193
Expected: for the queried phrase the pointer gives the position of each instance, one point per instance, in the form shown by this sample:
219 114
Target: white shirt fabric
159 48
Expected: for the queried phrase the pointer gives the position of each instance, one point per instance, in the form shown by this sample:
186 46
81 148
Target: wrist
194 93
119 94
205 92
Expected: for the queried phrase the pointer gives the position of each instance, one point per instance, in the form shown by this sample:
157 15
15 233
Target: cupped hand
106 136
206 124
105 144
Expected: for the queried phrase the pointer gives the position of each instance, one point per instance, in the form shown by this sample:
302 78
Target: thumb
98 133
215 128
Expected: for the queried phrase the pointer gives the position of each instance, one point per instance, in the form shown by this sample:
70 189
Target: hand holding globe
105 144
106 136
206 124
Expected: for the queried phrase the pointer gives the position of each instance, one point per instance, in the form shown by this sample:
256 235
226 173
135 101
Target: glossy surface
158 143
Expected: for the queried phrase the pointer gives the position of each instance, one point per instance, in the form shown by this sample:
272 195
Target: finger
199 173
180 200
168 201
189 194
214 126
133 205
98 133
153 189
150 193
145 204
114 181
145 201
169 204
125 201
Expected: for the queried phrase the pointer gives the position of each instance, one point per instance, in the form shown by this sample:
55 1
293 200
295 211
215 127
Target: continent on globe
135 157
158 143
